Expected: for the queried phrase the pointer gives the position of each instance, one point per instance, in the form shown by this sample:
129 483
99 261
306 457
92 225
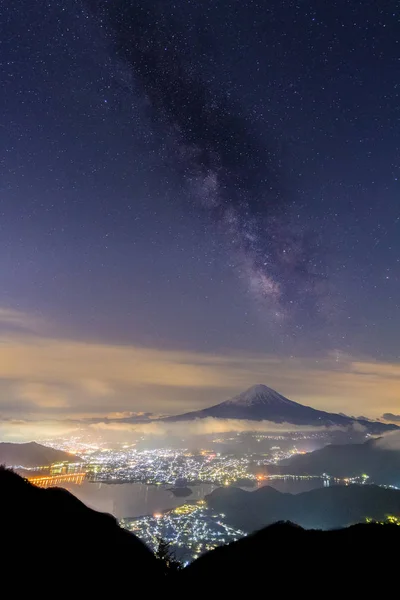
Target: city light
190 530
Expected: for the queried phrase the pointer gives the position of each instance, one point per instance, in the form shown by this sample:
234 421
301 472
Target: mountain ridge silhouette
55 545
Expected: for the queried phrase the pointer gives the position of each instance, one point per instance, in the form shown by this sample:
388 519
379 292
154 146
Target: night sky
196 197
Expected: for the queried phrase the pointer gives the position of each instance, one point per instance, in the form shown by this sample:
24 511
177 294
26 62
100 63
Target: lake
295 485
133 499
136 499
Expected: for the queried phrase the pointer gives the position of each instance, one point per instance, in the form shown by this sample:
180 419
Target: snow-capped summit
261 403
258 394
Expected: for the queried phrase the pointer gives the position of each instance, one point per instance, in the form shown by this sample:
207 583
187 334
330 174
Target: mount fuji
261 403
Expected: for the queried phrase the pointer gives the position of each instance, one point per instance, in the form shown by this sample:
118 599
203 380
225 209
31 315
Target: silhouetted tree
165 554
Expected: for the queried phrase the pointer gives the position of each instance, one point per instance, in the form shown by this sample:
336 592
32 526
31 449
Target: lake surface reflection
136 499
133 499
295 485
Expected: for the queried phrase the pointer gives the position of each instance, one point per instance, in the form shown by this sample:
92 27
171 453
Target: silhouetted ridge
287 560
65 545
32 454
55 546
382 465
323 508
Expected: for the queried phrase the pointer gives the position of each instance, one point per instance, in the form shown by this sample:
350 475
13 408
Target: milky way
195 197
225 165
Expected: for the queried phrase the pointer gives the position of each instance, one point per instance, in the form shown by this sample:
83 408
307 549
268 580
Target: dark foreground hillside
285 559
53 545
53 542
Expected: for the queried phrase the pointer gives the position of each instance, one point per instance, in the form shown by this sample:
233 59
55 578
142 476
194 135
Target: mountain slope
85 554
261 403
324 508
79 551
287 560
32 455
380 464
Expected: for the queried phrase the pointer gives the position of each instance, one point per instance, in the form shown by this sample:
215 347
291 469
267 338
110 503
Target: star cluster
224 162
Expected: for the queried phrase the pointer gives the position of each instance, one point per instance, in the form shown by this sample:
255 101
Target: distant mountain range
261 403
323 508
380 464
32 455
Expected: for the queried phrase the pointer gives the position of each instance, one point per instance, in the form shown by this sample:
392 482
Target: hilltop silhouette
32 454
61 545
285 559
55 545
322 508
350 460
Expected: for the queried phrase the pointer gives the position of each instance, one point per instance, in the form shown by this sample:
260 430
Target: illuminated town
175 467
169 466
190 530
390 520
192 527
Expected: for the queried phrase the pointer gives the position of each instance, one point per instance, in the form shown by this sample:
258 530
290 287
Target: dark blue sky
124 220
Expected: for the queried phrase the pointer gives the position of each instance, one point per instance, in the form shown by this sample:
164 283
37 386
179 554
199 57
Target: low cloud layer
205 426
57 378
25 430
390 441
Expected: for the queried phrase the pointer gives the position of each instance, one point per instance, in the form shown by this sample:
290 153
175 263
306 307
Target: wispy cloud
22 430
205 426
391 417
390 441
47 377
43 395
16 319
